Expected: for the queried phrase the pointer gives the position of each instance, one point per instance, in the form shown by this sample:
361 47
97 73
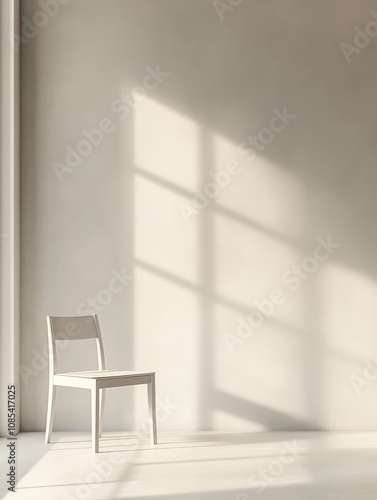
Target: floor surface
200 466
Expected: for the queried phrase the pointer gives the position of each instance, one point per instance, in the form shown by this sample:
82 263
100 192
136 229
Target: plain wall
120 208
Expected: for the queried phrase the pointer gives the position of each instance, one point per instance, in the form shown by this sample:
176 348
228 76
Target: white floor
200 466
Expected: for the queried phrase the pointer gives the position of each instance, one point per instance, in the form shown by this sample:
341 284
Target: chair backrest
67 328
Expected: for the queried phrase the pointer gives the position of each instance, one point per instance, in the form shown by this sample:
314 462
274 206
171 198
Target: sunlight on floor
200 466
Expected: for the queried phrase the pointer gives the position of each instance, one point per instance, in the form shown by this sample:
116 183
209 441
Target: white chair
84 328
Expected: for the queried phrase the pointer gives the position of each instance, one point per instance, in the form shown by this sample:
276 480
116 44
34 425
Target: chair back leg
50 412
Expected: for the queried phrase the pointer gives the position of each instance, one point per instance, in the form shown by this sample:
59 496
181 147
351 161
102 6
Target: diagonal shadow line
167 184
255 225
62 485
286 492
191 286
240 308
210 460
216 207
199 289
261 414
167 275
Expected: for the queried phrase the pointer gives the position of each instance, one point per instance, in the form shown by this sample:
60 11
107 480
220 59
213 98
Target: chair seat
101 374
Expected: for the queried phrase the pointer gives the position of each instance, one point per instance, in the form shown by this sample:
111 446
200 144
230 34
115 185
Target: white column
9 207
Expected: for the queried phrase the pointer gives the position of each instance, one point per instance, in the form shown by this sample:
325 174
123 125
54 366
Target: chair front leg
102 410
152 409
95 417
50 411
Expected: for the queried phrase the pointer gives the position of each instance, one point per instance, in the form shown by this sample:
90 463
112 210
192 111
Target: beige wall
120 208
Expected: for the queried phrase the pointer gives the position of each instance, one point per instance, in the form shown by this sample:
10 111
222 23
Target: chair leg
95 419
50 412
102 410
152 409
